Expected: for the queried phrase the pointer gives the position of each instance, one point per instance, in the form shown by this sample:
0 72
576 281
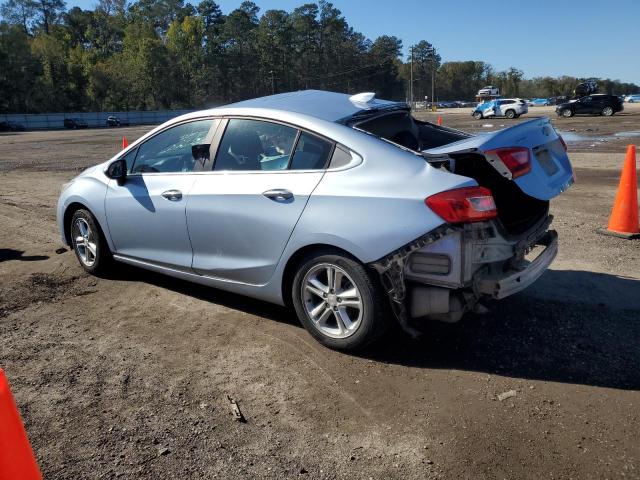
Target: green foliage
156 54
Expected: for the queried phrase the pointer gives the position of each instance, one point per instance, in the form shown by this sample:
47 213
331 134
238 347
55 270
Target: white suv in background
501 107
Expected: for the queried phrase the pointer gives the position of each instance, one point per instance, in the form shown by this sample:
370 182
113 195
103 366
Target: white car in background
488 91
501 107
635 98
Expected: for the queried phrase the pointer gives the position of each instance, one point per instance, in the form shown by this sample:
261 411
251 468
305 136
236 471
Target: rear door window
255 145
312 153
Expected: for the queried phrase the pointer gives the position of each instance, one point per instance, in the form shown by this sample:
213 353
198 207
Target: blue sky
541 37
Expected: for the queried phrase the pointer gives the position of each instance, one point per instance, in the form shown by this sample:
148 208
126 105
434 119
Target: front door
241 215
146 213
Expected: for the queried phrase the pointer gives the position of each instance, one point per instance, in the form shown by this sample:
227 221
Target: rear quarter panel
376 207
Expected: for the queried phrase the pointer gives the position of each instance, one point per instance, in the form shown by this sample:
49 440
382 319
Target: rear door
241 214
586 105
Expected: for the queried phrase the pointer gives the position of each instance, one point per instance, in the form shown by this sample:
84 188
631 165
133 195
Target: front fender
89 192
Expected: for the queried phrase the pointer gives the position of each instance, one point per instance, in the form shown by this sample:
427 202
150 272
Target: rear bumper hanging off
502 285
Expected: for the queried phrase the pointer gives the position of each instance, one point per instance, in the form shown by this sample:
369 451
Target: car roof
330 106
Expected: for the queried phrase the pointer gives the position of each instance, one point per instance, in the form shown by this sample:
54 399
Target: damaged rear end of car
496 239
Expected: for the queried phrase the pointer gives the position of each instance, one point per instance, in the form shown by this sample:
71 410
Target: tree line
163 54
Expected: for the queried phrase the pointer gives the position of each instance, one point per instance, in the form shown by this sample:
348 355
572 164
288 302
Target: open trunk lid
550 172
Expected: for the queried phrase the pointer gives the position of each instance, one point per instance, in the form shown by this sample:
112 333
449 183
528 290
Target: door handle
278 195
172 195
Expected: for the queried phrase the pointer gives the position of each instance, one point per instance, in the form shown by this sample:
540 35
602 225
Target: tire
607 111
477 115
340 327
566 113
88 243
510 114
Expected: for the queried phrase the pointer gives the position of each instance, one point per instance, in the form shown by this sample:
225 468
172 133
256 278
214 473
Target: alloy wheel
332 300
84 242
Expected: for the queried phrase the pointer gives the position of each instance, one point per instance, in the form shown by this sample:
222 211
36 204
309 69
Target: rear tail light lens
516 159
462 205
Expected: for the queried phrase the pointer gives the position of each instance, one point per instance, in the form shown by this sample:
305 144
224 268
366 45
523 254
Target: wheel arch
296 258
72 208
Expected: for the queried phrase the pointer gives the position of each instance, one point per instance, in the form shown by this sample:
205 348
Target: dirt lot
128 377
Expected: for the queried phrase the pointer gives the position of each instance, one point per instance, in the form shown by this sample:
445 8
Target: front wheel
566 113
339 302
607 111
477 115
88 243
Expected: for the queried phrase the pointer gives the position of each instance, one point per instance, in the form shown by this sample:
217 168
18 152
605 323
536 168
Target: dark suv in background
75 123
596 104
113 121
11 127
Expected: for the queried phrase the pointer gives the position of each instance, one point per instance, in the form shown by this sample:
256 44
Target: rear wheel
88 243
477 115
566 113
338 301
607 111
510 114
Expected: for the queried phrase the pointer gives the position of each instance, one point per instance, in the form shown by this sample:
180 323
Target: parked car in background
113 121
75 123
558 100
539 102
346 208
447 104
502 107
634 98
596 104
11 126
466 104
489 90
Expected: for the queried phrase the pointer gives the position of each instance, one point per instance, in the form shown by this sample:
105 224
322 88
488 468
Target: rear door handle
278 195
172 195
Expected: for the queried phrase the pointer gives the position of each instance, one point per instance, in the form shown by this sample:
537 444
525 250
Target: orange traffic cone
439 120
125 144
16 458
624 215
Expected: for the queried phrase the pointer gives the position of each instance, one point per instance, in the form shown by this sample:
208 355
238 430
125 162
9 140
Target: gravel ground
128 376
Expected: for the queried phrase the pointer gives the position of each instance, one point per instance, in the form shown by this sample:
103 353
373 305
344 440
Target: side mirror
200 152
117 171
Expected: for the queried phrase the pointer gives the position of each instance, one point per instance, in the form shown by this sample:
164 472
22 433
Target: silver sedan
344 207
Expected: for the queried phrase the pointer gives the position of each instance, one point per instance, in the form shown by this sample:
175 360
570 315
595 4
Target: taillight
516 159
564 144
461 205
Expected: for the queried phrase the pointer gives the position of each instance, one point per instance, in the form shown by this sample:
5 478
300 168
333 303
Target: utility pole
273 83
411 79
433 85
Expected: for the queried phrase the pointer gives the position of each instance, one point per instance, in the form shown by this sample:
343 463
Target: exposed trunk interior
517 211
401 128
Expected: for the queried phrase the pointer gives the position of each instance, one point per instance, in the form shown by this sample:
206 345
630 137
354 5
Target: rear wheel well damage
391 271
298 258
